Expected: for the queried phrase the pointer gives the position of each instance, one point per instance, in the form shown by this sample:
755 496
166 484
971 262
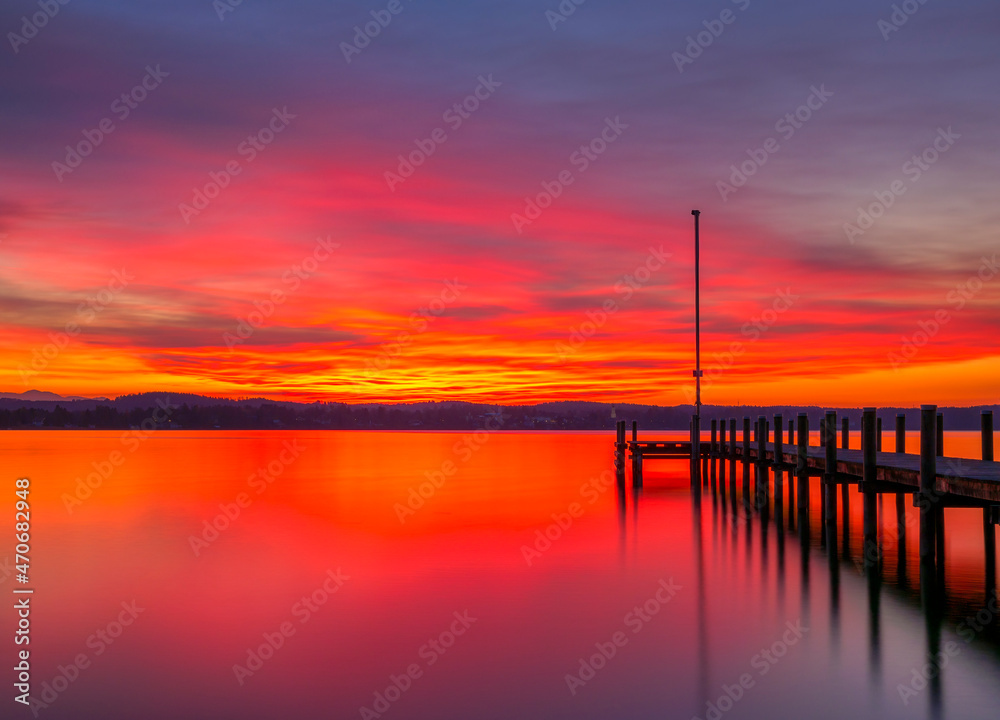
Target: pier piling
870 522
928 473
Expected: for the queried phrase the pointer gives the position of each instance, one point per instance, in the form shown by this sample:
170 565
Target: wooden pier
935 482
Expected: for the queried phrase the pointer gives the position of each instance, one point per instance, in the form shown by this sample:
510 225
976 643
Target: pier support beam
696 442
620 451
830 482
732 460
869 476
928 473
746 461
989 532
901 497
845 492
802 473
940 435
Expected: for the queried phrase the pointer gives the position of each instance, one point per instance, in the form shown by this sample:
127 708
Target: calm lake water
408 575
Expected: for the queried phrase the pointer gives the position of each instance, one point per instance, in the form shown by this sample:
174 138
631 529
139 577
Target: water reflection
836 524
535 535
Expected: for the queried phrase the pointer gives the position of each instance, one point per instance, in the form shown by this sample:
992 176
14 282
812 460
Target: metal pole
697 311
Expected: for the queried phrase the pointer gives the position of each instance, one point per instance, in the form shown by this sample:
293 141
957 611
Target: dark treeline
177 411
331 416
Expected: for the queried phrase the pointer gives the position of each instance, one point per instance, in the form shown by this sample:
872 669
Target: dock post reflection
732 464
989 513
845 494
830 493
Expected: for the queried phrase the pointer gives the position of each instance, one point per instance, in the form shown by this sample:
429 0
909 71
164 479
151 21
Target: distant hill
40 395
42 409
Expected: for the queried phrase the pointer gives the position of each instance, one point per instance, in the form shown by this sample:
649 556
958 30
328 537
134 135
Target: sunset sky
246 225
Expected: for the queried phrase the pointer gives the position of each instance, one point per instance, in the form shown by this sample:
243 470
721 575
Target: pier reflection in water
777 511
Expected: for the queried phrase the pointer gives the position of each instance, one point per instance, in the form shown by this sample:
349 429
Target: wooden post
830 441
940 434
801 466
878 434
791 431
989 534
928 473
732 461
696 438
722 438
779 446
779 475
746 460
830 482
714 447
845 434
901 497
635 431
746 440
868 478
761 440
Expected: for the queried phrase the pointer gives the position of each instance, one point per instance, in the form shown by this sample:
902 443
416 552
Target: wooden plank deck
974 479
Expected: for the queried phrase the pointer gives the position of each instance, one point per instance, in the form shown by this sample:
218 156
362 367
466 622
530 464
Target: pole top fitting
696 212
